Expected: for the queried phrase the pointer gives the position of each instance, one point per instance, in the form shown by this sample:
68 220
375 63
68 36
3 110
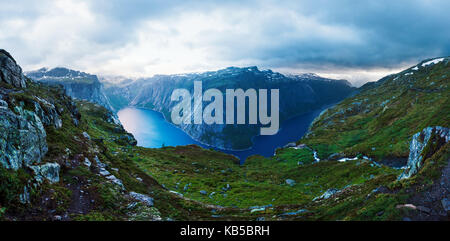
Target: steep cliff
79 85
25 113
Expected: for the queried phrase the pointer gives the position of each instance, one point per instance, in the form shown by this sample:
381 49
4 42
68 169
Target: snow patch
434 61
316 157
347 159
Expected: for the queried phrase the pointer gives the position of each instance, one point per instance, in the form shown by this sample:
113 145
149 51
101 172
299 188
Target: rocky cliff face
11 72
78 85
432 137
24 117
298 95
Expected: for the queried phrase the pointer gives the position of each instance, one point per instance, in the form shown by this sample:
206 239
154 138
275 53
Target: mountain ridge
73 162
297 96
78 84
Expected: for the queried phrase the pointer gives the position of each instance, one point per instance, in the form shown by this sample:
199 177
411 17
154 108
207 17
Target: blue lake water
151 130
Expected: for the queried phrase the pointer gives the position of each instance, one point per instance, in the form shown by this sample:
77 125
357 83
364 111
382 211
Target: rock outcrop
142 198
23 121
22 138
49 171
429 136
10 71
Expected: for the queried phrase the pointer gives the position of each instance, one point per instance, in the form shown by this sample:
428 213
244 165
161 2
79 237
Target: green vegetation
192 183
380 120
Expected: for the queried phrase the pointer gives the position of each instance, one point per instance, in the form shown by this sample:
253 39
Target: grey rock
423 209
257 209
327 194
226 188
87 162
142 198
418 143
49 171
10 71
3 104
50 115
127 138
294 213
176 193
104 172
290 182
99 163
22 138
116 181
261 207
25 196
290 144
86 135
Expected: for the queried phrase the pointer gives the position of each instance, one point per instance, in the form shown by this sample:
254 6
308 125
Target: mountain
79 85
382 117
66 159
298 94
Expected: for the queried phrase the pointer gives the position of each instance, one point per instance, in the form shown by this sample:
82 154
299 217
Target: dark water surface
151 130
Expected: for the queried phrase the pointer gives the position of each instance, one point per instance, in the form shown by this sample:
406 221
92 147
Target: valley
76 162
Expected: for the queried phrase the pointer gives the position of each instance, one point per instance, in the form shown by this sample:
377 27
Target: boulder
327 194
116 181
290 182
86 135
142 198
294 213
87 162
226 188
186 187
47 113
49 171
419 141
22 138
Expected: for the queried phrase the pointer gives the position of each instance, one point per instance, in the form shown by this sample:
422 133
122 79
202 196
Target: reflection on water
151 130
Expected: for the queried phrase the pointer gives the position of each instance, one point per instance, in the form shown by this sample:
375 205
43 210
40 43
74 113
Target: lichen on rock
418 143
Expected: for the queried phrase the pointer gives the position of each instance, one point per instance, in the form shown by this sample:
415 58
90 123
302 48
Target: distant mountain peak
46 74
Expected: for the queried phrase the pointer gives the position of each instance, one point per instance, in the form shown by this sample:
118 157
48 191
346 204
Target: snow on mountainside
298 95
79 85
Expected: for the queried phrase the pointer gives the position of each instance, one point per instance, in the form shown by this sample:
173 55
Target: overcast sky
357 40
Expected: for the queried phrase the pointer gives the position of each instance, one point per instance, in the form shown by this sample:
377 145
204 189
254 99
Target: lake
151 130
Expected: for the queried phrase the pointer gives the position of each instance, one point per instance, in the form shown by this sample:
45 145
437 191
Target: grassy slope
377 122
260 181
380 121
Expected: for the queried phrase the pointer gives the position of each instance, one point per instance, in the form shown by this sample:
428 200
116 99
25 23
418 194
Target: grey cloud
316 34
